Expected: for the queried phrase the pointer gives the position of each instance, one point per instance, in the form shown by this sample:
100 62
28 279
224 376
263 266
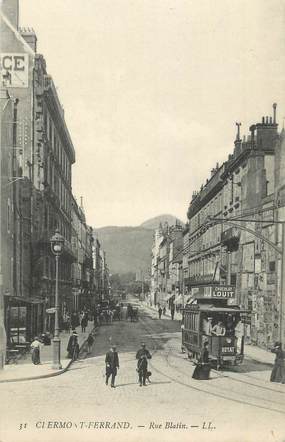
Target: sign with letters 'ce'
14 69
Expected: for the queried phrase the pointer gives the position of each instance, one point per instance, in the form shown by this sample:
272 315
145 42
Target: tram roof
212 309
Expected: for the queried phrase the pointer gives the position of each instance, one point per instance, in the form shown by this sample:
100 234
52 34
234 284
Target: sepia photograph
142 220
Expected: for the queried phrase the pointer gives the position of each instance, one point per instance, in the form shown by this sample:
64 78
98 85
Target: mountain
153 223
128 249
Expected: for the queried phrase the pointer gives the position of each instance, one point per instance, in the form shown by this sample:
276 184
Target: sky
152 90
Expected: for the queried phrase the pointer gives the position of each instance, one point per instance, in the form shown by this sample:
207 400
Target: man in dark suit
112 365
142 357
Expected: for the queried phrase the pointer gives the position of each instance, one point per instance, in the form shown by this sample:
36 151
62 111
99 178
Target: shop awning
23 300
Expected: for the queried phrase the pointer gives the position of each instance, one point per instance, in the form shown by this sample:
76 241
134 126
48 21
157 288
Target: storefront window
18 320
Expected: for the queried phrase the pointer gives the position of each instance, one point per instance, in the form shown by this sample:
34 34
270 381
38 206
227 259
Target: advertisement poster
134 132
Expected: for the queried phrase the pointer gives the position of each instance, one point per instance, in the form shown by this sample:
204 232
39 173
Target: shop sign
14 70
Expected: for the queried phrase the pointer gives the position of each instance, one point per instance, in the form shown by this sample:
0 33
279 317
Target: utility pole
183 290
4 101
282 288
229 269
142 277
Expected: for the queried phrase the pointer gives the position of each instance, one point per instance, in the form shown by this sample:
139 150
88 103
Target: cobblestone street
79 398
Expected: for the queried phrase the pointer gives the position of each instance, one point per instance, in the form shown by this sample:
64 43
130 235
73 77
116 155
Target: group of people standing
162 311
112 365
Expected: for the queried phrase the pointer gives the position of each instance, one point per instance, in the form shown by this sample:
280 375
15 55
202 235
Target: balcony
199 280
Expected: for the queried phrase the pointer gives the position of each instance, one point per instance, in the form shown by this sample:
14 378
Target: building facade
234 237
166 269
39 197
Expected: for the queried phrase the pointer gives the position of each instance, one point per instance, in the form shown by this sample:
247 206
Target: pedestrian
159 312
203 368
218 329
278 371
172 311
73 346
142 357
35 346
74 320
90 341
84 322
164 311
112 365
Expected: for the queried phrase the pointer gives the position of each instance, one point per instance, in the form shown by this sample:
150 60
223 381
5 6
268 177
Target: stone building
42 192
166 269
232 220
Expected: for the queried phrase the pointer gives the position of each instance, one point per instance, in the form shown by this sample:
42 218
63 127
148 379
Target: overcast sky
152 90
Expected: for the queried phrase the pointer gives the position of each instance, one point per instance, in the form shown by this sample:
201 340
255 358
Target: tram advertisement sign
223 292
214 292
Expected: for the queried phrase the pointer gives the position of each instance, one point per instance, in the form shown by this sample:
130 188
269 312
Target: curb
48 375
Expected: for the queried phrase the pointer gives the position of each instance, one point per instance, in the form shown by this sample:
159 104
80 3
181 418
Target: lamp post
57 243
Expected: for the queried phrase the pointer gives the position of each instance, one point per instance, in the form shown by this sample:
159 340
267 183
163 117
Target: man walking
112 365
142 357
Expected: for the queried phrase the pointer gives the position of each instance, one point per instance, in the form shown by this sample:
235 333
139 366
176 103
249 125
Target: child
90 341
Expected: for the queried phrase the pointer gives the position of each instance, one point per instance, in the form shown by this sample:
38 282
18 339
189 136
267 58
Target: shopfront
24 319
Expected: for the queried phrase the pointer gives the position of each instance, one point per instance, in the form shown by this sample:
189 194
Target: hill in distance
128 249
153 223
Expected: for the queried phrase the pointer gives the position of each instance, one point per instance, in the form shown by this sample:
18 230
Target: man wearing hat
112 365
142 357
73 346
278 371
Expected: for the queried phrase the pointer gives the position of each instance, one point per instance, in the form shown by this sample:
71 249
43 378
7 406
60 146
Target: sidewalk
258 354
25 370
253 352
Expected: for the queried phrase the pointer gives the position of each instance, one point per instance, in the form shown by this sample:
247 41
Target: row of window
57 147
63 267
53 221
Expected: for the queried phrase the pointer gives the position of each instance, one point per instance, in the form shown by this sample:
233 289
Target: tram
212 316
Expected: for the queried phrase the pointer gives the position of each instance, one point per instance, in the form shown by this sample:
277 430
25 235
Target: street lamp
56 243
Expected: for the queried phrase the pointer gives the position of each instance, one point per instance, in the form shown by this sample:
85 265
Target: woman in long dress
35 346
203 368
278 371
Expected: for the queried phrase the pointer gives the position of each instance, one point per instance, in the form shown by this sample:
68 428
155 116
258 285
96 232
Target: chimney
81 202
10 8
274 113
30 37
